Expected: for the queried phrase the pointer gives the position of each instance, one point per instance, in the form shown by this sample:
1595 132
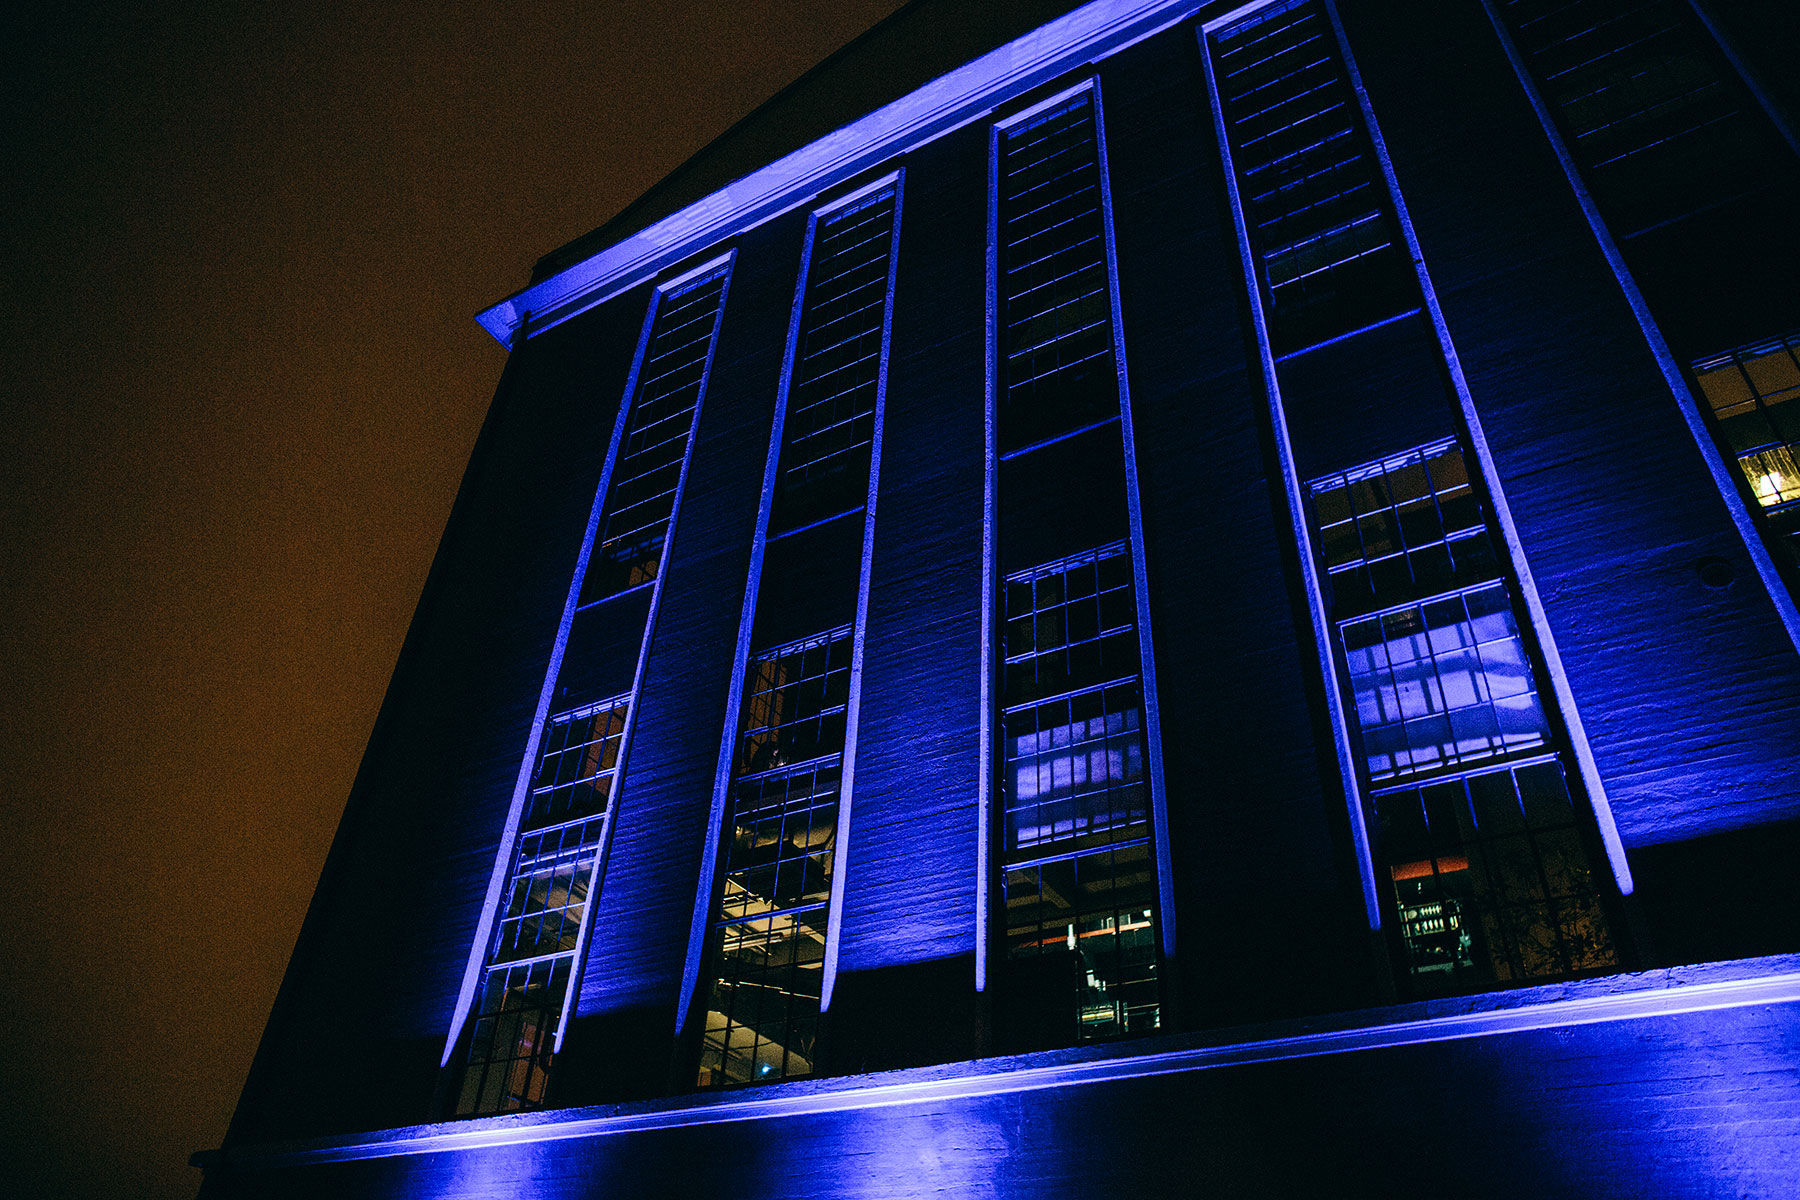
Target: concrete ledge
1773 980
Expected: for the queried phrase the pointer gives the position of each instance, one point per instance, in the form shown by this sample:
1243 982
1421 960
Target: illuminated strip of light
1290 477
1153 758
840 854
1777 983
954 99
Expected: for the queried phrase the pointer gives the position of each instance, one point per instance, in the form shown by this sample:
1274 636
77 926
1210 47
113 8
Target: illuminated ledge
1087 34
1749 982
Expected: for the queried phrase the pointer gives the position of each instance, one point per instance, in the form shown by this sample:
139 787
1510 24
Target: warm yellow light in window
1773 475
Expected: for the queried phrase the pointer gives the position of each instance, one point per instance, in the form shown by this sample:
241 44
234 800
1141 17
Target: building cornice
953 99
1647 995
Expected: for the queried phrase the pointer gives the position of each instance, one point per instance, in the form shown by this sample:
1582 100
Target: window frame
987 916
690 1004
462 1019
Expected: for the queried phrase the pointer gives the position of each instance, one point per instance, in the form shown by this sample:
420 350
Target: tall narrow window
1486 861
830 421
769 935
1074 797
792 767
1650 111
648 472
1754 395
526 984
533 959
1076 854
1319 220
1059 372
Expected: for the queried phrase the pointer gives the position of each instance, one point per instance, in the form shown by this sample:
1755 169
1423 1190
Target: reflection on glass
1080 891
1442 683
545 904
769 932
1401 529
1491 880
1089 924
1476 831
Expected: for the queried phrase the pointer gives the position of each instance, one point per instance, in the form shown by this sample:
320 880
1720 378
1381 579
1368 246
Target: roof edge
1086 34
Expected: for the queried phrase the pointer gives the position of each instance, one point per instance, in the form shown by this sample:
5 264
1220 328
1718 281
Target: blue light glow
1767 991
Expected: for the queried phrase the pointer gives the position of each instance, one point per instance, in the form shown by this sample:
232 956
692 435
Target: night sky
243 245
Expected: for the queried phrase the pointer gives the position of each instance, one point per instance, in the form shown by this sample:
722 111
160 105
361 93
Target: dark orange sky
243 245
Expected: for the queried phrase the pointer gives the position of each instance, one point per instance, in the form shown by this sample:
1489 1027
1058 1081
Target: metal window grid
641 499
1091 918
1401 529
1076 866
1648 107
1055 327
530 963
1754 395
769 931
1308 183
1491 881
1442 683
514 1037
830 421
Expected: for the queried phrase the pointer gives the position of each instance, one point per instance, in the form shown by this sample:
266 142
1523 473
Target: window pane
1079 886
1313 199
1417 530
641 498
830 421
780 842
543 909
1088 924
1650 112
1056 338
1491 881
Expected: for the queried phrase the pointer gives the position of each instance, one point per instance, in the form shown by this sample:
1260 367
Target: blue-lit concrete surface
1671 1083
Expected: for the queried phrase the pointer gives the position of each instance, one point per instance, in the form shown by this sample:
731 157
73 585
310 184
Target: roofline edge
1093 31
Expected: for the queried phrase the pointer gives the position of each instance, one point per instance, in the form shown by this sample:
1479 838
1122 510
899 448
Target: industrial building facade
1145 597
